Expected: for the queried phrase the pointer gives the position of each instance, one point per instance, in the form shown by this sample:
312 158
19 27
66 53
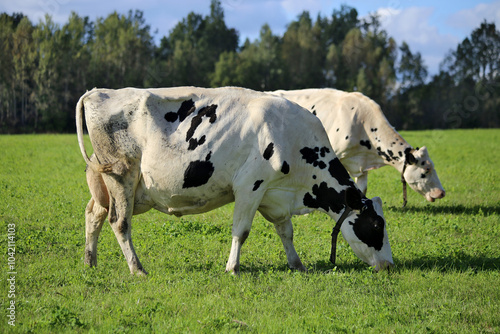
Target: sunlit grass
447 255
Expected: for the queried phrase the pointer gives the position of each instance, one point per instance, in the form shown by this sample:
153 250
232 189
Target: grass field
447 256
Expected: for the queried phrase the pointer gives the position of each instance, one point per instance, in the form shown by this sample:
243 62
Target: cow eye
377 224
364 208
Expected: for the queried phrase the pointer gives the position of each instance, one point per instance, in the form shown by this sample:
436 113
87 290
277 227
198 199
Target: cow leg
362 182
121 207
94 218
242 223
285 231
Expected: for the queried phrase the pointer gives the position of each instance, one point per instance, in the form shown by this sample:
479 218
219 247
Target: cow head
365 230
421 175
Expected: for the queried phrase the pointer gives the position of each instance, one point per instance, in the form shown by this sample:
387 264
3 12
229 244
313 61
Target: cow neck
387 136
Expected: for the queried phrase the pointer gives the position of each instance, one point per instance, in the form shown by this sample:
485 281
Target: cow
363 139
189 150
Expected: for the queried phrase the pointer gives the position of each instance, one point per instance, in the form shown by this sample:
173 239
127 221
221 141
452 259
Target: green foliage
45 68
464 94
446 253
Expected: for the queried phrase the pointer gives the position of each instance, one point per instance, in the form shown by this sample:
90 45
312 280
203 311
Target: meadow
446 277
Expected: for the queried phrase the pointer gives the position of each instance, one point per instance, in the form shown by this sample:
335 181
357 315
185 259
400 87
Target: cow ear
353 199
410 158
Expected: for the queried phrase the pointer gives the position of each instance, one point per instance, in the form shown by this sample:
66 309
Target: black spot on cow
314 177
311 156
116 123
187 107
346 137
171 116
400 154
103 96
352 108
391 154
123 227
401 144
323 151
369 227
198 172
383 154
314 113
194 143
257 184
373 129
423 163
338 171
365 143
244 236
209 112
285 168
422 176
325 198
269 151
338 129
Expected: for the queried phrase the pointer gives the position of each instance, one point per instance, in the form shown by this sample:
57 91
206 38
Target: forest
45 67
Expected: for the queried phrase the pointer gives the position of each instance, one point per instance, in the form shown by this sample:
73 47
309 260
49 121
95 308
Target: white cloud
468 19
412 25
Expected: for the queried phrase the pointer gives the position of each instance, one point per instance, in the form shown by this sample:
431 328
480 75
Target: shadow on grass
456 209
445 263
449 263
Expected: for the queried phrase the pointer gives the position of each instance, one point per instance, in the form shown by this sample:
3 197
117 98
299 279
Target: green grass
447 255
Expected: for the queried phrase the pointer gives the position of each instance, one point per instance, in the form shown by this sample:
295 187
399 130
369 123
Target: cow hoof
233 272
139 272
301 269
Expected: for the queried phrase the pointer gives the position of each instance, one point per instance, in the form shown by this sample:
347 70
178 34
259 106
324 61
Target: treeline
45 68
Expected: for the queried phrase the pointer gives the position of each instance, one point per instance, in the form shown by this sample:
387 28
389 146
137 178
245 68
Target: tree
341 23
486 50
47 75
477 57
8 26
22 83
225 73
194 46
412 69
302 55
121 50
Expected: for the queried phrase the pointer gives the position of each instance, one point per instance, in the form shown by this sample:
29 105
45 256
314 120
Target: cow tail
106 168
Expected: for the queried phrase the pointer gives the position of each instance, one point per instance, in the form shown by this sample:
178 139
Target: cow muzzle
434 194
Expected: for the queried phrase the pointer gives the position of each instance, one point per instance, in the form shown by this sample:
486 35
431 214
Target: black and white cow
364 140
190 150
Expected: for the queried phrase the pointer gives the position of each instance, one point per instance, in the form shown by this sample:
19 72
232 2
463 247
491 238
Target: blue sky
429 27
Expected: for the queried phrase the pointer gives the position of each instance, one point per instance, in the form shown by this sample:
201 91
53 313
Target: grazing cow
190 150
364 140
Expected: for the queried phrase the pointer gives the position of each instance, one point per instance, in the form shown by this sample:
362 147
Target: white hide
190 150
363 139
